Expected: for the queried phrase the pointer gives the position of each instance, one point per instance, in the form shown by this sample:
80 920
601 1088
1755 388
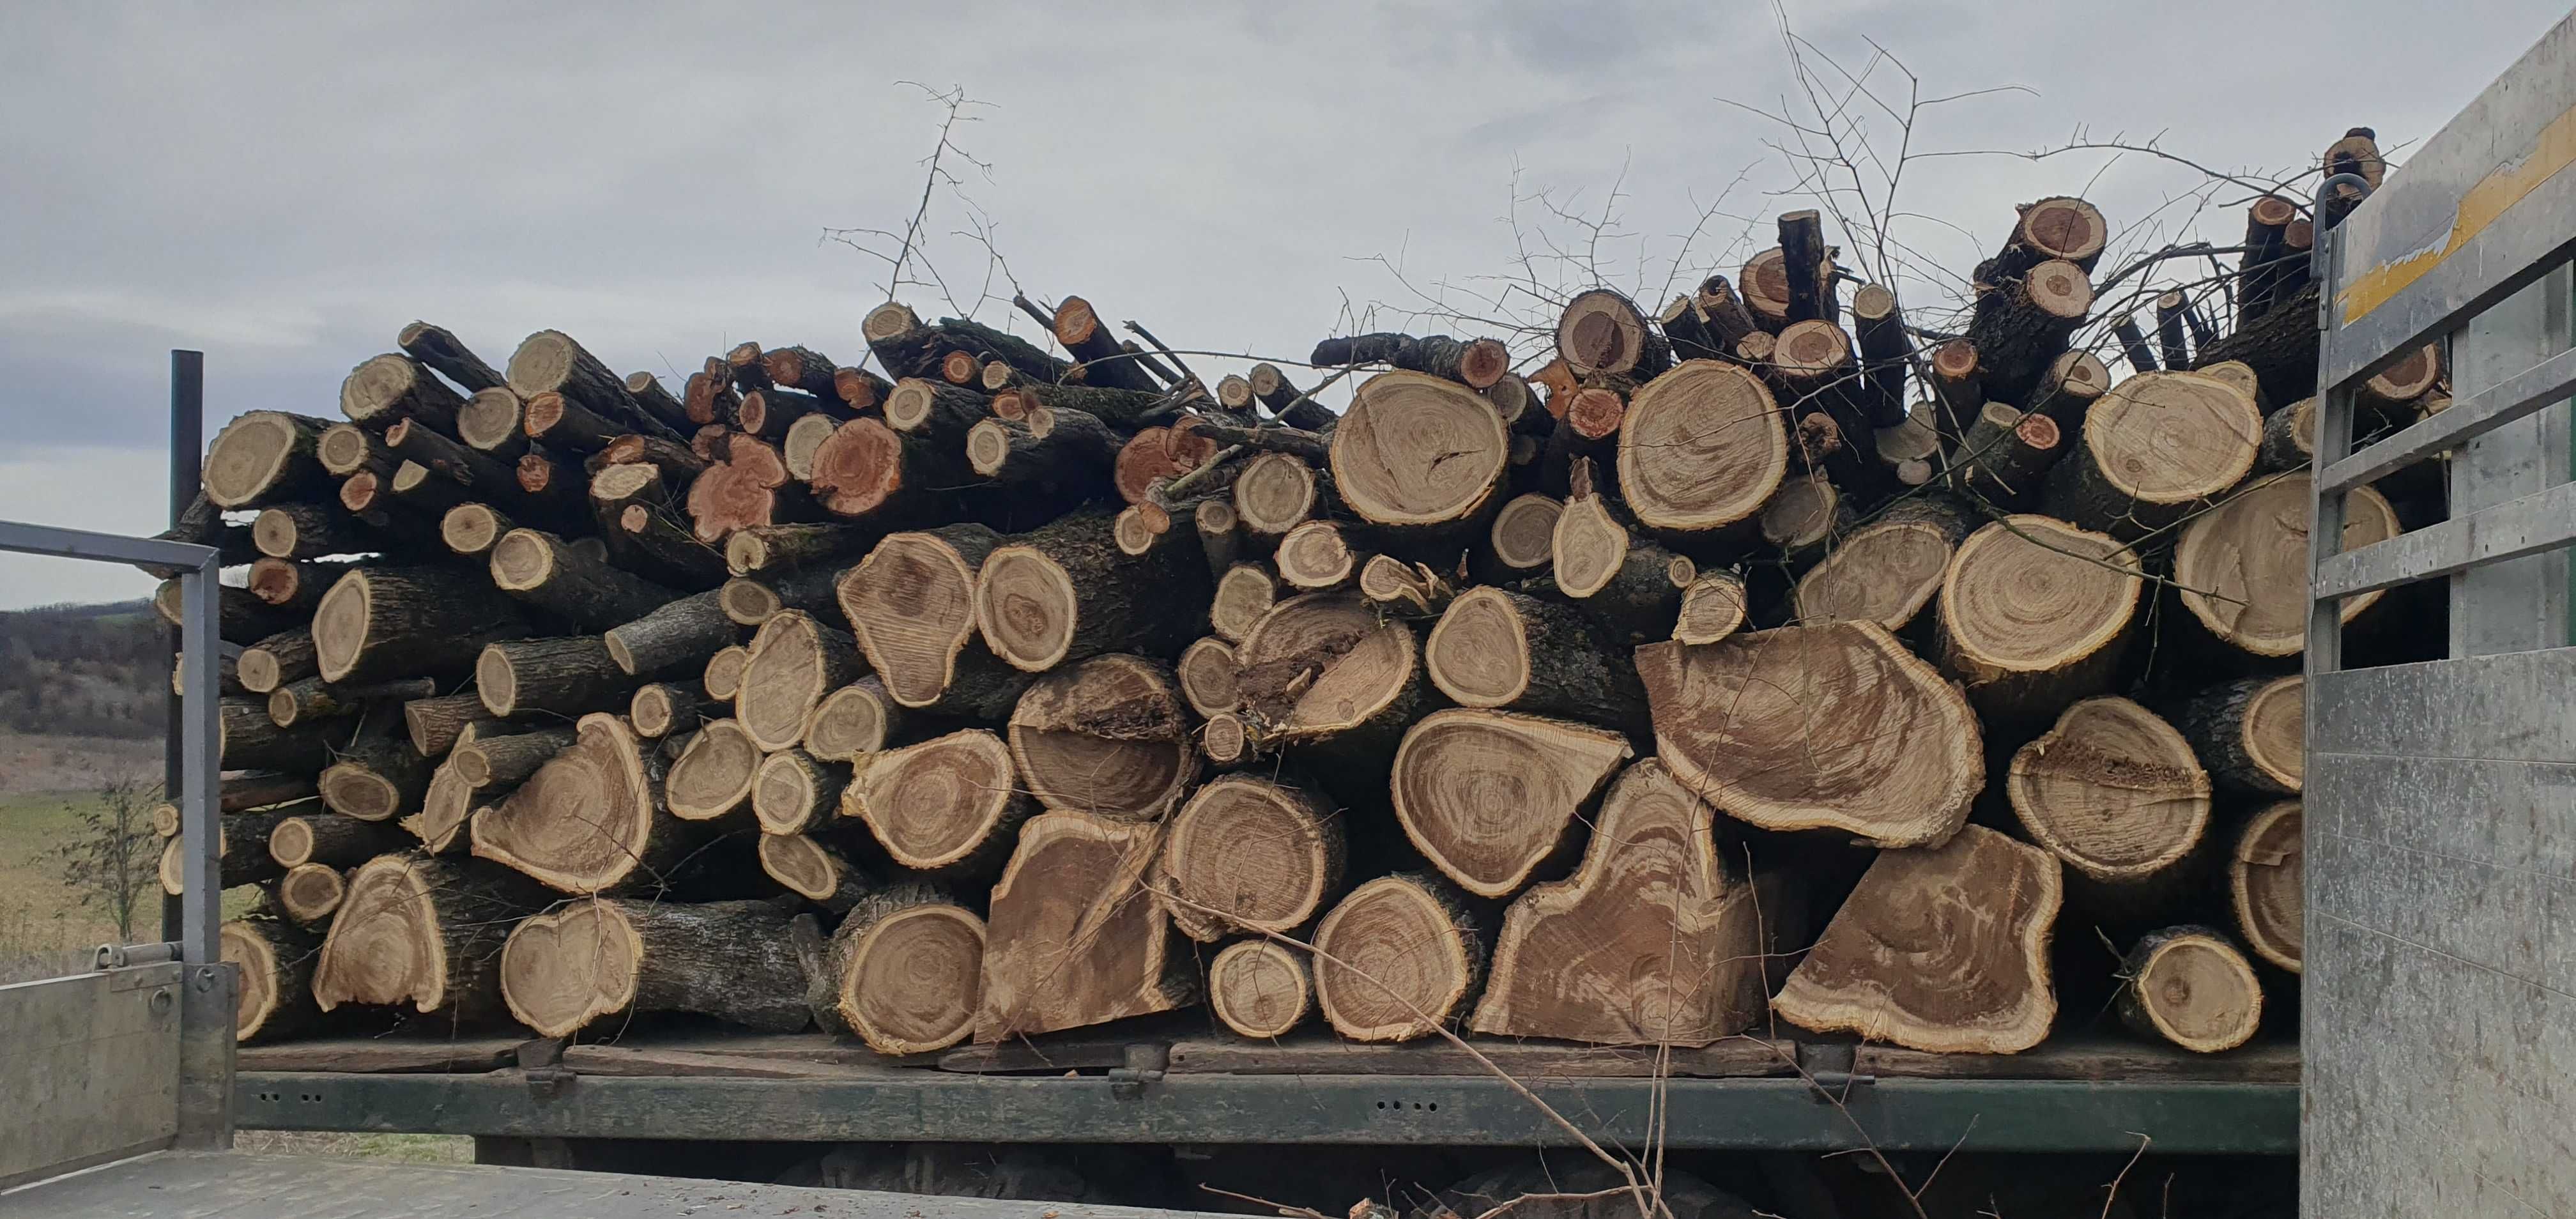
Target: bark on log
907 969
1243 594
855 721
2004 457
380 622
1067 591
592 820
1260 988
1764 284
713 775
1886 571
2058 227
542 570
501 760
1065 452
911 603
240 793
471 530
674 637
1805 517
816 871
1701 449
751 602
309 894
273 961
1885 353
266 457
494 421
1106 736
771 414
658 402
1632 584
202 524
950 805
664 709
1451 765
312 700
1079 328
2034 615
2190 986
346 449
1251 854
1398 959
563 970
2289 438
2114 792
390 388
2022 326
571 675
1155 455
2156 448
286 656
1287 402
2251 733
247 739
424 933
2280 346
2242 567
1522 541
794 661
2265 884
1325 669
374 776
1073 938
2067 391
443 352
437 724
1502 650
241 850
549 361
1419 453
333 840
867 469
1602 333
793 792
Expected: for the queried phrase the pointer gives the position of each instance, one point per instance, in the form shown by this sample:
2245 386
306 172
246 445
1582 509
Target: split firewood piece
750 486
1885 571
1249 853
907 969
1978 986
1416 452
714 774
247 739
1106 736
287 656
814 870
2155 449
1522 540
950 805
1630 582
1205 672
794 661
1654 940
2252 733
265 457
2266 884
499 761
2023 323
1821 727
663 709
2190 986
1066 591
566 676
1601 332
381 622
2035 614
795 792
423 932
1243 594
722 678
1409 590
591 820
563 969
549 361
2242 567
1713 607
390 388
1701 449
310 894
376 775
1492 798
274 963
1276 493
441 350
854 721
540 569
676 636
1073 938
241 850
1260 988
1317 557
330 839
2114 792
1398 959
1325 667
1499 649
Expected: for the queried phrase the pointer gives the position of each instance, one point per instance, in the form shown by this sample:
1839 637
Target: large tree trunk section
422 932
1243 594
380 622
2190 986
907 970
854 721
1324 667
540 569
284 657
442 351
911 604
1066 591
1979 984
793 792
2242 567
1654 940
1823 727
813 870
1416 452
1630 583
2252 734
567 676
1249 853
1106 736
505 760
1398 959
274 964
2034 615
310 894
1260 988
1205 672
2266 881
330 839
1701 449
591 820
948 805
2023 325
666 709
1073 938
247 739
2156 448
564 969
2114 792
266 457
1499 649
794 662
1886 571
714 774
676 636
1492 798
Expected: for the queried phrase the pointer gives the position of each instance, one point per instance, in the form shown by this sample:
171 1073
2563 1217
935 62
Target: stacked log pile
990 692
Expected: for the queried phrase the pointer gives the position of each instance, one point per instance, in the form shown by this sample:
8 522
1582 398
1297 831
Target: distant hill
83 670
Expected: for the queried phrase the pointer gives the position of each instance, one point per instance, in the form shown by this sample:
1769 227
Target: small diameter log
1243 594
312 699
1981 986
247 739
494 421
2058 227
1884 572
1064 450
664 709
292 586
202 524
647 391
380 622
566 676
284 657
310 894
1324 667
1416 452
2242 567
2289 438
2266 876
2067 391
934 411
273 962
1702 448
2034 615
794 661
722 679
505 760
1601 332
2251 733
1249 854
2114 792
1886 351
540 569
1227 741
1220 534
471 530
1079 328
714 775
2005 456
906 969
305 531
1410 590
330 839
948 805
564 969
436 724
424 933
1205 672
1805 517
1317 557
1498 649
674 637
591 820
1656 939
1451 766
374 777
1260 988
1764 284
813 870
1522 541
1713 607
1073 937
2022 326
1958 386
550 362
752 601
2190 986
1107 736
241 850
854 721
265 457
240 793
794 792
1820 727
1286 401
1632 584
1398 959
2155 449
1066 591
448 356
1277 492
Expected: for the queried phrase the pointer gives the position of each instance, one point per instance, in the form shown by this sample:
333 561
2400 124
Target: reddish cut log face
562 969
581 823
1488 796
912 604
1107 736
1702 447
857 467
1418 450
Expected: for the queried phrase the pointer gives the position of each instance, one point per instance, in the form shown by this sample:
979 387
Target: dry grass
399 1148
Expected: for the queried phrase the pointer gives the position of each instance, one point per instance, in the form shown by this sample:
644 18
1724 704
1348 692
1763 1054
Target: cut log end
1260 988
713 776
310 893
1397 959
794 661
853 722
1274 494
1419 451
1701 448
560 970
2266 881
2033 613
1249 854
1107 736
948 803
1206 674
1490 797
1713 607
585 821
1323 664
912 604
2242 567
2113 791
1523 536
256 455
908 972
1243 594
1315 557
2191 987
1027 607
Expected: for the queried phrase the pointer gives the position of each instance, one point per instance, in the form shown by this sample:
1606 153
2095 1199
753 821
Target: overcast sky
284 188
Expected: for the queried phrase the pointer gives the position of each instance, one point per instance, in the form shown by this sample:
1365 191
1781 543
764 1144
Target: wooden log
663 709
2133 345
2190 986
375 775
502 760
471 530
462 472
2289 438
752 601
1981 987
436 724
494 421
1250 853
801 368
276 660
273 963
1108 736
1702 448
2022 326
241 850
2058 227
814 870
1260 988
934 411
312 700
855 721
911 604
1499 649
1286 401
794 661
1522 541
1602 333
1157 454
309 894
669 411
1713 607
2035 614
1805 517
346 449
949 805
1243 594
1276 493
1886 353
1656 939
1764 286
247 739
1958 386
2265 879
1409 590
265 457
805 438
1079 328
714 774
563 970
2067 391
1820 727
674 637
1632 584
867 469
2280 346
1324 668
333 840
550 362
448 356
749 487
1073 939
1062 450
1067 591
1436 470
380 622
387 389
542 570
1398 959
1802 254
202 524
794 792
1318 557
1450 766
2242 567
722 678
779 549
2004 457
2115 793
424 933
570 675
1220 534
592 820
1886 571
2251 733
906 969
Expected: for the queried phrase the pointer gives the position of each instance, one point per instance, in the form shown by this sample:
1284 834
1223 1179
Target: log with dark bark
331 839
346 449
771 413
2251 733
202 524
1287 402
2153 450
2004 457
1067 591
1803 256
292 586
750 601
2058 227
1601 332
1632 584
273 964
670 709
275 660
855 721
435 724
1656 938
2133 345
795 792
568 675
1980 987
471 530
647 391
949 805
2069 388
240 616
1323 669
867 469
1805 517
906 969
814 869
312 700
1101 361
249 740
2035 614
565 969
1958 386
1701 449
503 759
2023 325
1260 988
1399 958
786 548
592 819
1499 649
1764 285
676 636
374 775
2242 567
1063 450
390 388
304 531
1156 454
424 933
1419 453
380 622
1886 571
794 661
2265 879
309 894
2190 986
1449 766
241 849
708 397
1107 735
1885 351
494 421
2280 346
1820 727
265 457
448 356
2114 792
1249 854
550 362
1074 938
542 570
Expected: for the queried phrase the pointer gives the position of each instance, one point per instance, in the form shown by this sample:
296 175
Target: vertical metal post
207 1007
187 443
